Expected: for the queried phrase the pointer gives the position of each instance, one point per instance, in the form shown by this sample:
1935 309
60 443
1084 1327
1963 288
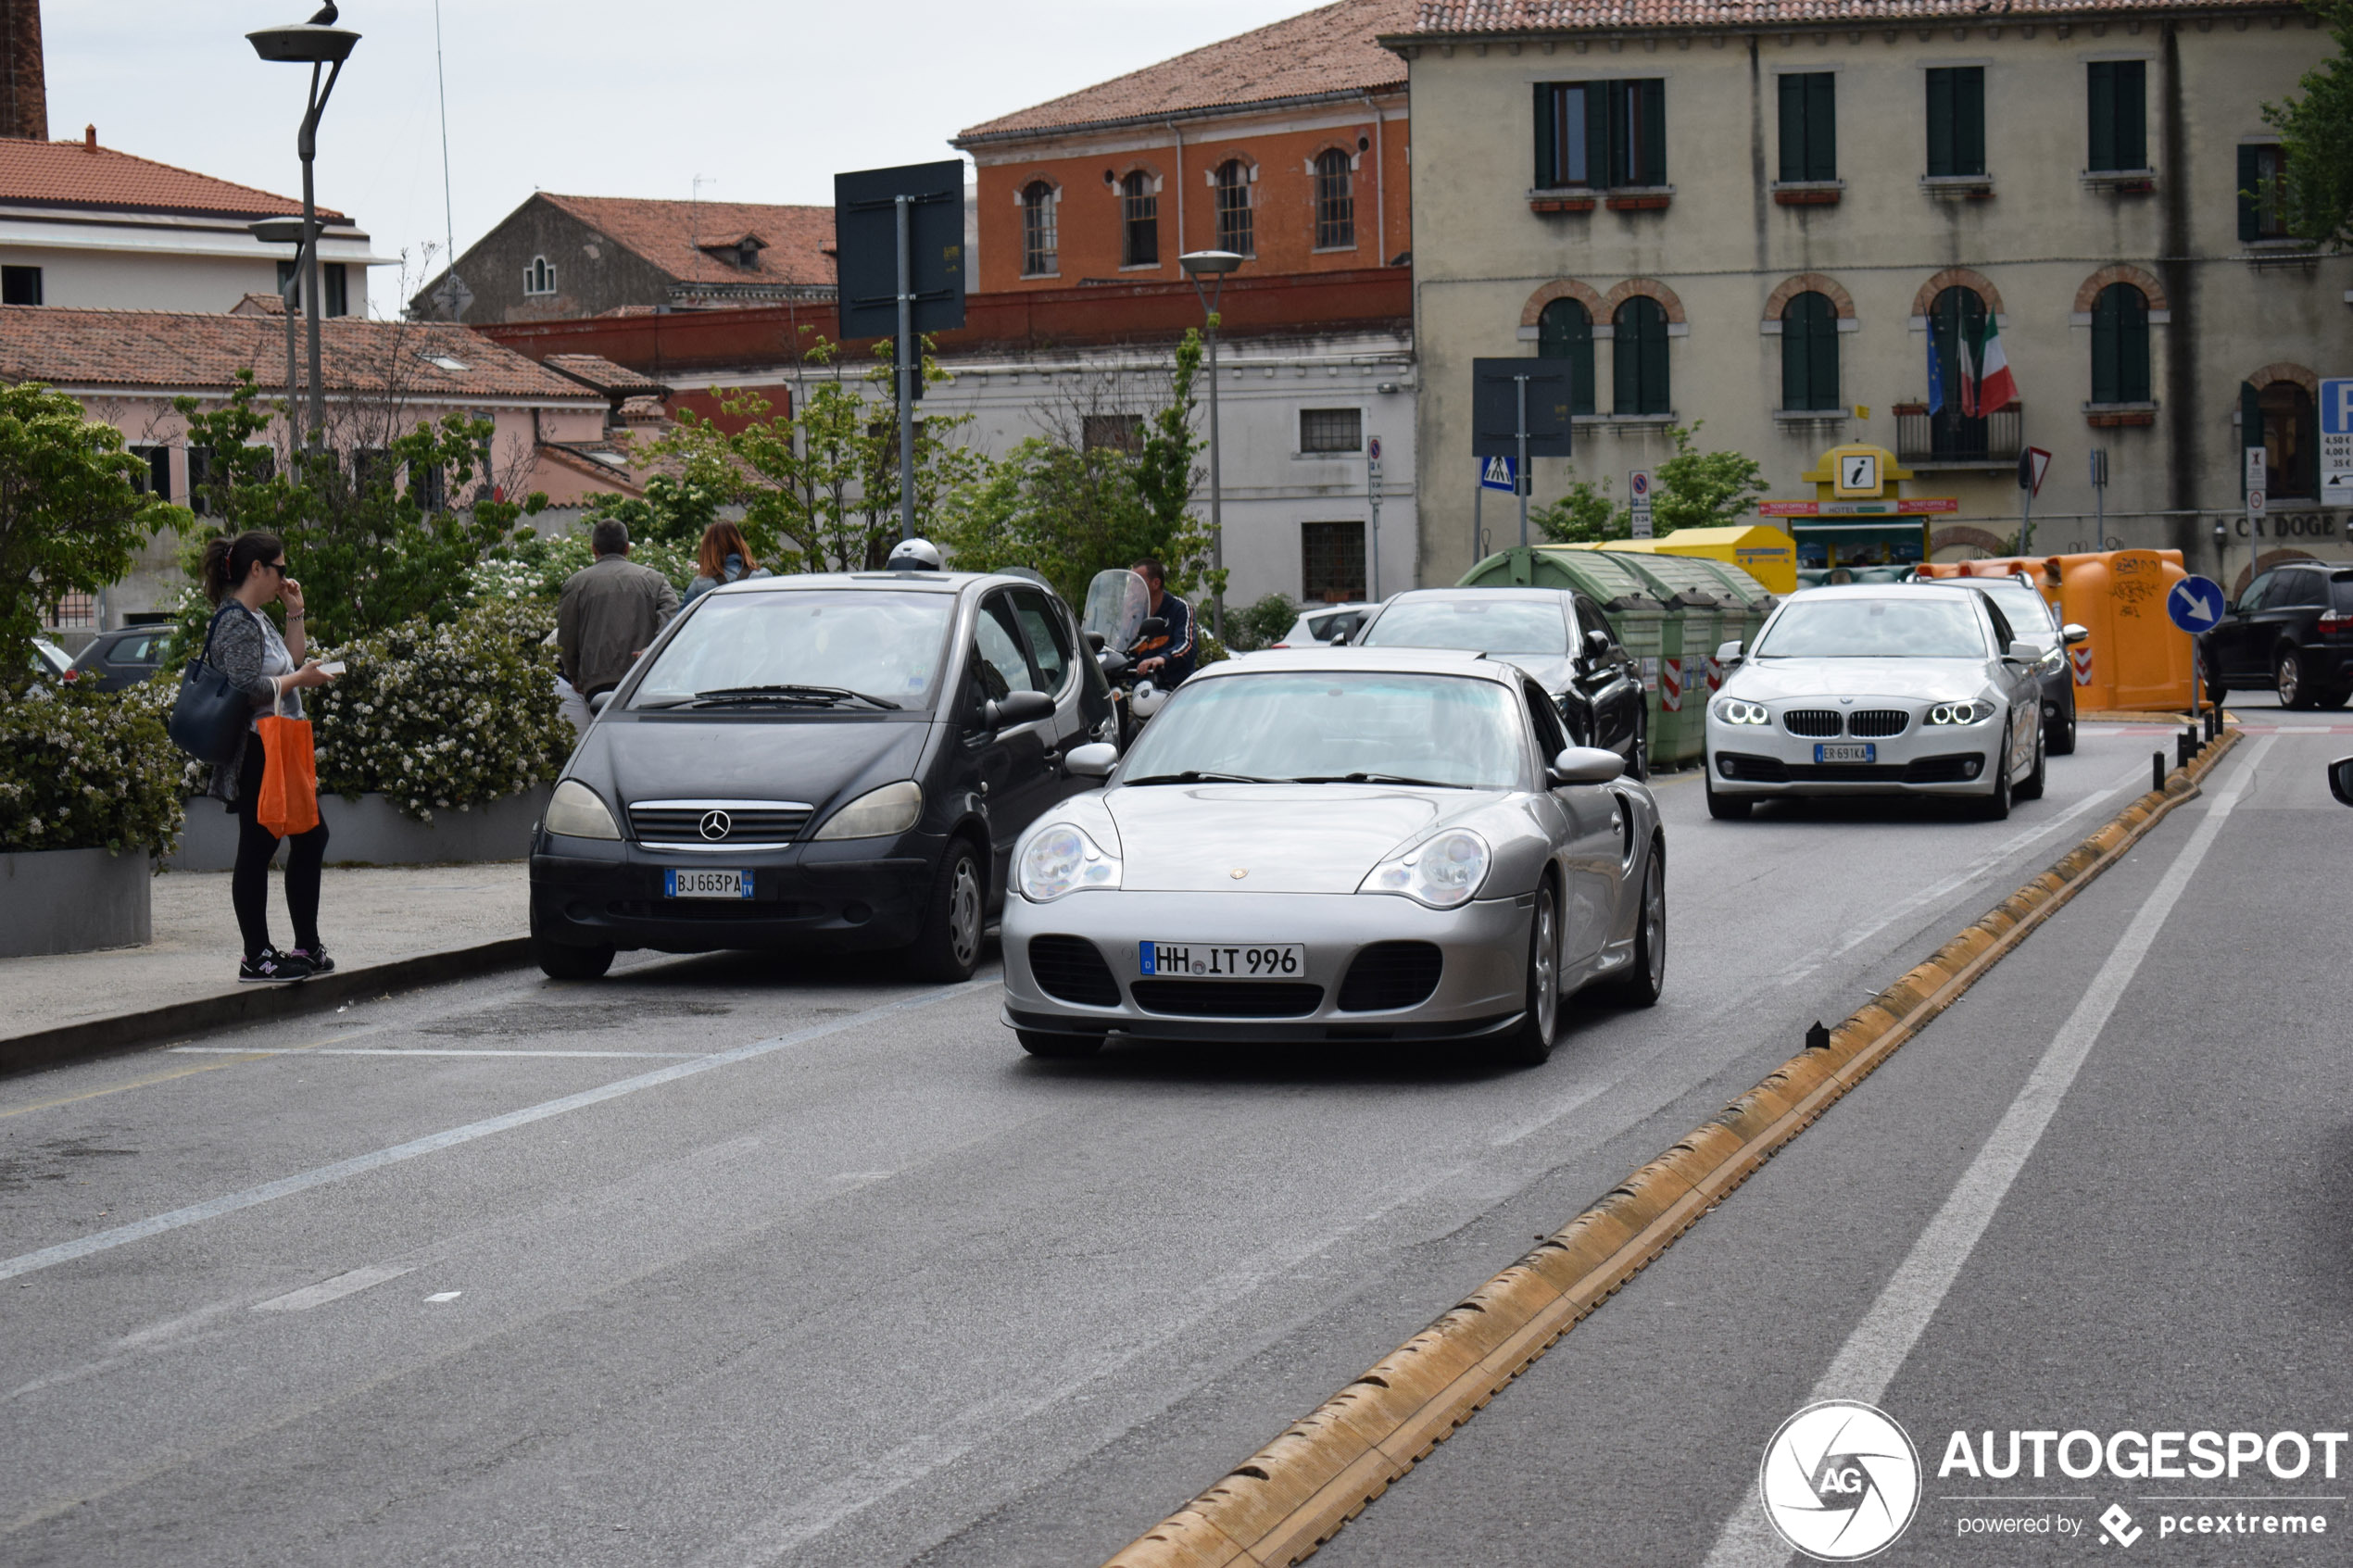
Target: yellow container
1763 552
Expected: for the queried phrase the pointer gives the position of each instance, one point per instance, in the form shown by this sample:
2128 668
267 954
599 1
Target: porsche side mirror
1017 708
1093 760
1586 765
2341 779
597 703
1729 654
1153 626
2071 633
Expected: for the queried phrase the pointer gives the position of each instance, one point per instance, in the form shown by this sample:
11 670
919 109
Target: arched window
1638 356
1809 353
1138 220
1235 231
539 277
2121 345
1038 248
2279 417
1335 201
1566 332
1956 332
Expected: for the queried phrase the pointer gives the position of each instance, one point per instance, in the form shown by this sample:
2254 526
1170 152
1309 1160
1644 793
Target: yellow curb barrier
1294 1495
2124 716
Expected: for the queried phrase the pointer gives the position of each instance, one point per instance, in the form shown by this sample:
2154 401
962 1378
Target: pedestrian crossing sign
1495 474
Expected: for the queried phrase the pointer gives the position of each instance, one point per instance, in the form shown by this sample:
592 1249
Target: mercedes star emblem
716 825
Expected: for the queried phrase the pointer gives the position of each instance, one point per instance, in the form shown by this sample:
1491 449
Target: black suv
2291 631
818 762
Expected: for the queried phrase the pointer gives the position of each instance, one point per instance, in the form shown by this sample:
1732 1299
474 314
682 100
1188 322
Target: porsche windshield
1325 727
1889 628
1476 622
847 649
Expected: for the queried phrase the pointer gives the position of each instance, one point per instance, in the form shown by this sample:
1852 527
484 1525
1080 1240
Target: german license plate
701 883
1847 751
1212 961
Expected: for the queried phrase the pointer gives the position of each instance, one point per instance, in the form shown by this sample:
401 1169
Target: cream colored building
1763 214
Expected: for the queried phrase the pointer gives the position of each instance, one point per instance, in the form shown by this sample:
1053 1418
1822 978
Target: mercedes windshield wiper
815 696
1197 775
1378 778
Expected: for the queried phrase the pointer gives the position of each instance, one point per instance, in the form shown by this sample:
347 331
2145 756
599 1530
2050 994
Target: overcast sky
764 99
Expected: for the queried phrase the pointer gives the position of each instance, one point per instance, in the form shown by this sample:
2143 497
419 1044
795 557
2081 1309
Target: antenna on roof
694 210
453 297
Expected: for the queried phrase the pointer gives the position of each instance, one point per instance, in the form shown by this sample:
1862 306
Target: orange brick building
1288 143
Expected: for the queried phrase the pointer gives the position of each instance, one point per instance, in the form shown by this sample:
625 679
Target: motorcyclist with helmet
1167 658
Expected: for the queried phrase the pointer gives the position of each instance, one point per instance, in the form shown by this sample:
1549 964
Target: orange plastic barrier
2136 659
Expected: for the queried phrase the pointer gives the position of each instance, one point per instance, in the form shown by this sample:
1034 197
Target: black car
1560 638
2291 631
2032 617
123 656
836 761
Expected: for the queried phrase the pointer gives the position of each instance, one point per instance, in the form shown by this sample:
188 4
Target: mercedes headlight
1732 711
1960 712
574 811
1062 859
878 813
1442 872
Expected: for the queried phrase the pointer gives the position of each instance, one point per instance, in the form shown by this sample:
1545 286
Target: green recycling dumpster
1754 603
1624 596
1697 604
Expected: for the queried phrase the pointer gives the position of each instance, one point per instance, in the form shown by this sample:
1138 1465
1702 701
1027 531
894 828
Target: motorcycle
1118 618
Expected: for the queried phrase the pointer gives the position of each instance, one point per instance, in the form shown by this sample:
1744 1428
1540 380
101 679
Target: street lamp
287 231
1213 265
317 44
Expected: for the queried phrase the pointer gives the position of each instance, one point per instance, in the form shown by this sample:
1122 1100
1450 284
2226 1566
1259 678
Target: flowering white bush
536 569
447 717
81 769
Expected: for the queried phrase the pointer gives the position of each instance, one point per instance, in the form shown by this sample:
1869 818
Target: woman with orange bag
242 575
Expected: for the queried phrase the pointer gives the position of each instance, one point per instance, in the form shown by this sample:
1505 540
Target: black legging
250 886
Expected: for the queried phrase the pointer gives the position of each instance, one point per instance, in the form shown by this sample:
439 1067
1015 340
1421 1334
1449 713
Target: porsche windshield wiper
815 696
1379 778
1196 775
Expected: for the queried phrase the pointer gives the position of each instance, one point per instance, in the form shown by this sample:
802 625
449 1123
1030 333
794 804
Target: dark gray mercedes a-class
827 762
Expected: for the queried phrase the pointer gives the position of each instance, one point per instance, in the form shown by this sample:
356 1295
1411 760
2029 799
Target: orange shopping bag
289 799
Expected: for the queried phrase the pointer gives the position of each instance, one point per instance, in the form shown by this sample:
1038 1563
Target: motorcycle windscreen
1118 602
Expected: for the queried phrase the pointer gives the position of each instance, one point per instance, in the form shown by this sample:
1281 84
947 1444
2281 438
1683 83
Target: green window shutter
1638 356
2099 93
1823 357
1654 396
1548 173
2250 175
2131 114
1599 97
1566 332
1969 119
1793 147
1939 122
2121 345
2106 383
1653 96
1821 126
1615 139
1626 361
1796 364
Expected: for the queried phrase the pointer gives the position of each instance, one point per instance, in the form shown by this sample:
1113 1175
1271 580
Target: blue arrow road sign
2195 604
1495 474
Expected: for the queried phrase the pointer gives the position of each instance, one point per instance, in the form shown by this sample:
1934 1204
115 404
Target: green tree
72 516
1692 489
674 510
2316 136
1584 516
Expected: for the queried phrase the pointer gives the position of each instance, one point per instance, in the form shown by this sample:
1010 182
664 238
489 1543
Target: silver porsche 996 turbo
1352 845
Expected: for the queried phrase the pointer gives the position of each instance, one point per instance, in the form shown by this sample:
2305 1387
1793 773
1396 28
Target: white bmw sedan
1878 689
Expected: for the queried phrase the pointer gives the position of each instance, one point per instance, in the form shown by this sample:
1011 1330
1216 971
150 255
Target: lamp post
1214 265
287 231
321 45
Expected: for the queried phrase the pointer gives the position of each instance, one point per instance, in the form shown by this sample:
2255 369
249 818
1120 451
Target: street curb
1294 1495
2125 716
251 1004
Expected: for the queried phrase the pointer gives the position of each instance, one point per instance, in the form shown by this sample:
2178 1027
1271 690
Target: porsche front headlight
1061 858
1734 710
878 813
1444 871
574 811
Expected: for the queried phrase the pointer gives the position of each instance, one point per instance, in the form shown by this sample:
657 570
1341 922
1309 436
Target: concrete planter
73 901
371 832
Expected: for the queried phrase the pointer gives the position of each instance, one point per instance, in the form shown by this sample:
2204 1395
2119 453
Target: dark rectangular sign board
866 247
1495 408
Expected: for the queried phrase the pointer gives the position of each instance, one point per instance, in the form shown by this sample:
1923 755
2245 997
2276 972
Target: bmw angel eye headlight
1732 711
1062 859
1443 872
575 811
878 813
1959 713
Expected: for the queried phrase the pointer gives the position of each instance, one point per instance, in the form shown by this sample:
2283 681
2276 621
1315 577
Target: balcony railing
1948 436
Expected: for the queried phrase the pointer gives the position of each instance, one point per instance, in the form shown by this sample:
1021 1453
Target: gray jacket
609 611
240 648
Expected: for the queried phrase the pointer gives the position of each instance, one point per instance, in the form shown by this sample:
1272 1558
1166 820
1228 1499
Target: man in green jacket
609 613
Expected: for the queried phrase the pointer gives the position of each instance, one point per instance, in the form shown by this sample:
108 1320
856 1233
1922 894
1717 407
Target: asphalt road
723 1261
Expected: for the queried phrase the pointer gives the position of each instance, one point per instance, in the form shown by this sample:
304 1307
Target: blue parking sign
2336 442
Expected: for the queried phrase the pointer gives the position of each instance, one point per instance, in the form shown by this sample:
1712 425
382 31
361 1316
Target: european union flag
1935 375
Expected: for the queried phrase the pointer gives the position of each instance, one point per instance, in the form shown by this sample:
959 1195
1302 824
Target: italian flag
1986 382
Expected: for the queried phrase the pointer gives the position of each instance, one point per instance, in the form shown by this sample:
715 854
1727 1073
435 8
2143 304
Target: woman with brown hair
242 575
724 558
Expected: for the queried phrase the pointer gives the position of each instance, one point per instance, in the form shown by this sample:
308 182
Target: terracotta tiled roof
161 351
260 305
670 234
1586 16
596 371
73 174
1330 49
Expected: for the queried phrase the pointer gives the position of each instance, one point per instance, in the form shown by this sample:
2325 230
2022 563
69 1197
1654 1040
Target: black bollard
1819 1038
2157 771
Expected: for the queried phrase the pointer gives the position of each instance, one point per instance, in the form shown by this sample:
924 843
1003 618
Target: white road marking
1867 1362
286 1186
445 1295
395 1050
327 1290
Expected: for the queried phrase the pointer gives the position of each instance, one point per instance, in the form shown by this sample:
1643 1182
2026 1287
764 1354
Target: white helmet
913 555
